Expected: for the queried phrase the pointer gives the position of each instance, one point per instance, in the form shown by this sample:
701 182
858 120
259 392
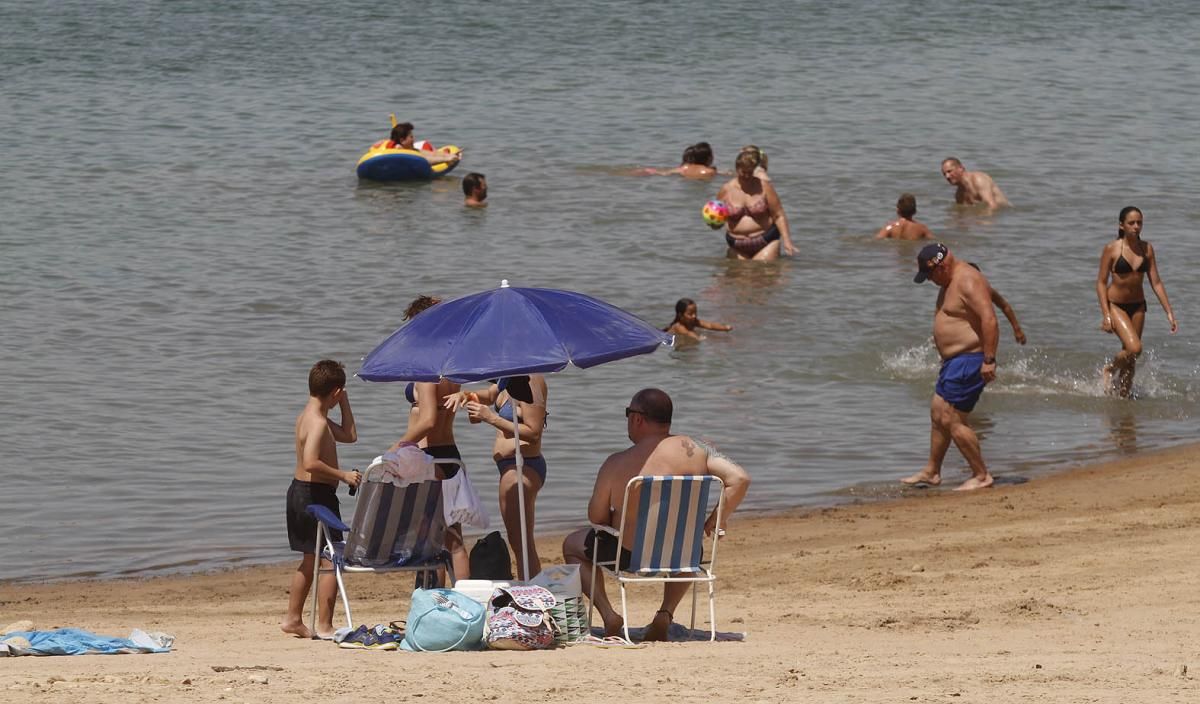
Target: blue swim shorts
960 382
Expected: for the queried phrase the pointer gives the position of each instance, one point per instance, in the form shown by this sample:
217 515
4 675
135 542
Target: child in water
905 228
697 163
686 321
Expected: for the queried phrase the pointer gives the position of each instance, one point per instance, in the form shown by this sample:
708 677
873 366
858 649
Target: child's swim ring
389 163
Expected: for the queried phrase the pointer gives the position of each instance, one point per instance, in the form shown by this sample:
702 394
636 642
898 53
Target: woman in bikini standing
1124 263
494 406
757 227
431 426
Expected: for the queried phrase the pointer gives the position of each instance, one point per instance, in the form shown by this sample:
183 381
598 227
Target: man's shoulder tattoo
712 451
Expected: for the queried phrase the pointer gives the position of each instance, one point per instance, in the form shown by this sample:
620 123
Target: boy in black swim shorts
315 481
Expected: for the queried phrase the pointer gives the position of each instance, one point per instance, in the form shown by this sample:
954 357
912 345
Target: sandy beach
1079 587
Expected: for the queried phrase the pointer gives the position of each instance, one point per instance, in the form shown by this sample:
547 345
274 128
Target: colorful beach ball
715 213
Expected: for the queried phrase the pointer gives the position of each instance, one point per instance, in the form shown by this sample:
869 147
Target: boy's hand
353 477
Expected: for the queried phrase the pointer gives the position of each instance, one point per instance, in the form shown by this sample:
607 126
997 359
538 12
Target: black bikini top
1121 266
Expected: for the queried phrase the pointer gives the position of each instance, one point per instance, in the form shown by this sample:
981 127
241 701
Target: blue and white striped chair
394 530
667 544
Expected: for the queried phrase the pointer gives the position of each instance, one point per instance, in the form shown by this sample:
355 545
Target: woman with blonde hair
756 228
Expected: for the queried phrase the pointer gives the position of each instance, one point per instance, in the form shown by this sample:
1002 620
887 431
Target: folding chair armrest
324 515
606 529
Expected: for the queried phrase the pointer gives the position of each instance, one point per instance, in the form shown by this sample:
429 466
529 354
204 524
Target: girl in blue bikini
495 406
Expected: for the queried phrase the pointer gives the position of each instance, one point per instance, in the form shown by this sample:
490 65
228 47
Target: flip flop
607 642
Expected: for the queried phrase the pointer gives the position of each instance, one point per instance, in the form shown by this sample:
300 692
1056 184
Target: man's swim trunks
301 527
607 547
960 382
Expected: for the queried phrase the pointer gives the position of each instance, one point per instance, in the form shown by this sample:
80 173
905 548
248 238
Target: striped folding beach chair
394 530
667 543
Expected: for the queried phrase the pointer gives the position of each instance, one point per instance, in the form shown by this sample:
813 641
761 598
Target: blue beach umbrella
507 332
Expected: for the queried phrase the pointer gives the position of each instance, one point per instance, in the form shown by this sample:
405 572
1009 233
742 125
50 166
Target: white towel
461 503
405 465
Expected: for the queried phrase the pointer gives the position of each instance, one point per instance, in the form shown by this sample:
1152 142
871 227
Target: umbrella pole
520 487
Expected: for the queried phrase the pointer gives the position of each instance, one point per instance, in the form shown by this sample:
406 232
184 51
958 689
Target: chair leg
345 598
624 611
712 609
592 592
312 620
316 579
692 625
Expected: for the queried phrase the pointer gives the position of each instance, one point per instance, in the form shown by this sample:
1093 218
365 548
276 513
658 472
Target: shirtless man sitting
655 452
966 334
972 187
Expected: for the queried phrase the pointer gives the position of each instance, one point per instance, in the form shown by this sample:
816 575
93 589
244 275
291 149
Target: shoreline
840 498
1077 587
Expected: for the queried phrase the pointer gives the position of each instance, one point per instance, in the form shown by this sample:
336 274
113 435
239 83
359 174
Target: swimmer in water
972 187
905 228
686 321
697 164
474 187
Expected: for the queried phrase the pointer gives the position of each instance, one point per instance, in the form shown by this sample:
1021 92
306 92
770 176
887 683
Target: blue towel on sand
73 641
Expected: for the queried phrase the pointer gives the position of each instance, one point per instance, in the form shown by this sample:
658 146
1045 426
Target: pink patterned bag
519 618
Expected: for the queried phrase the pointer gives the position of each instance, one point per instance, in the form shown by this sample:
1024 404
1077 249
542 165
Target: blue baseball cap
930 256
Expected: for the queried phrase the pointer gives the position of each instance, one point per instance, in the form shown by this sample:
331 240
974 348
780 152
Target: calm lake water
182 235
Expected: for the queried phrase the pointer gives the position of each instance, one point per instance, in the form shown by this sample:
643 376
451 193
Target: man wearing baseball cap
966 334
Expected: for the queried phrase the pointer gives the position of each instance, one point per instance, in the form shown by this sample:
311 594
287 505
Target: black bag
489 558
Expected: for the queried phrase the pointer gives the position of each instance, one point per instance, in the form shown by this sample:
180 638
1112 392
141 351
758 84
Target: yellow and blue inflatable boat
390 163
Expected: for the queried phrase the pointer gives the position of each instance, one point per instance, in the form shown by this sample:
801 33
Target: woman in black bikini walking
757 225
1124 263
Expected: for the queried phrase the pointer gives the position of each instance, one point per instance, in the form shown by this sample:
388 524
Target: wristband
989 360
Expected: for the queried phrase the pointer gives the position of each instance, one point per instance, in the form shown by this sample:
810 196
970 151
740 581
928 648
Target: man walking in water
966 334
972 187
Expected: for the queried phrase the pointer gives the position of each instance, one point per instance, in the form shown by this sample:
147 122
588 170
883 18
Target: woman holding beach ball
756 226
1124 265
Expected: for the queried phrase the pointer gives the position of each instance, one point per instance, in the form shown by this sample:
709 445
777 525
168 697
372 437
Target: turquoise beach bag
441 620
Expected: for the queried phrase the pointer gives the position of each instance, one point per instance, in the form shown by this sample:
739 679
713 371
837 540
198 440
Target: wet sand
1079 587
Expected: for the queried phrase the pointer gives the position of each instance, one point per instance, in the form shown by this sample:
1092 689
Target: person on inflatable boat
402 138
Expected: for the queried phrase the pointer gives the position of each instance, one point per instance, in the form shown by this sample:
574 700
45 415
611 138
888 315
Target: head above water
325 377
906 206
952 170
681 309
758 153
745 163
475 184
702 154
420 304
401 132
1129 221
